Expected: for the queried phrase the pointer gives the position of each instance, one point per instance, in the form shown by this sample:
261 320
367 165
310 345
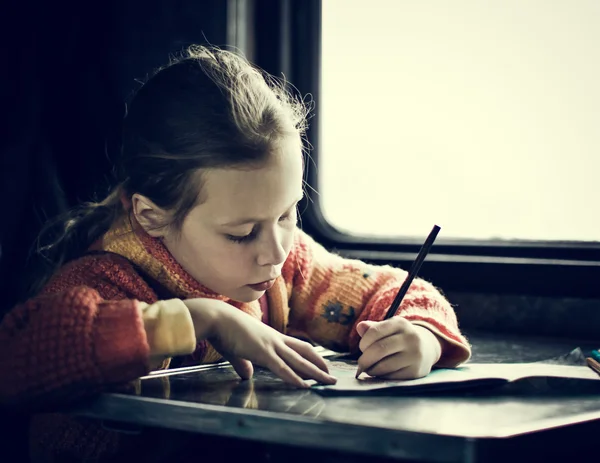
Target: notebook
467 376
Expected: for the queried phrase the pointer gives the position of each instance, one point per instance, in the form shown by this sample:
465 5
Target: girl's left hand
397 349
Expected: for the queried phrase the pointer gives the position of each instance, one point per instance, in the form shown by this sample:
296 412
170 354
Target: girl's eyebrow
247 220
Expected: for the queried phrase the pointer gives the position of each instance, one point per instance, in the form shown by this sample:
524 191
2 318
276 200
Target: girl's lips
263 286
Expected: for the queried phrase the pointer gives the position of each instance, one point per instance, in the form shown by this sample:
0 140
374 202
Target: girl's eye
250 236
242 239
289 216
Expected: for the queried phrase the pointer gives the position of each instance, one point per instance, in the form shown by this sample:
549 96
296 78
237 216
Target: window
483 117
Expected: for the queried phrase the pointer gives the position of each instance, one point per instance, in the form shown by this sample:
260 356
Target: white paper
484 373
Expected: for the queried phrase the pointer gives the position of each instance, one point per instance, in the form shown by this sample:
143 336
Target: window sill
496 275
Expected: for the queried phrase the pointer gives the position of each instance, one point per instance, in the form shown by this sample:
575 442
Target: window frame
289 43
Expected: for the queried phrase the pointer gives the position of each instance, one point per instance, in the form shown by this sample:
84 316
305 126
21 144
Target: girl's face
236 241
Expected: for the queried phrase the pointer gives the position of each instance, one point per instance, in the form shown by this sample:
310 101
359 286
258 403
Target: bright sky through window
482 117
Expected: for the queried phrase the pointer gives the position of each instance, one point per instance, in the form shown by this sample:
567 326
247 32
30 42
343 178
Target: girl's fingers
281 369
308 352
241 366
381 349
381 330
389 365
302 366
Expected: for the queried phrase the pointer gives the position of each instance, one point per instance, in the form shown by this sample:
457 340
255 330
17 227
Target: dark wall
67 70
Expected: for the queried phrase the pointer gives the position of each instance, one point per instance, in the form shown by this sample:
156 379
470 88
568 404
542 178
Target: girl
195 256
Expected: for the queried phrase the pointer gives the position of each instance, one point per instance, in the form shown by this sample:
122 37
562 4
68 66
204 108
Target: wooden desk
507 424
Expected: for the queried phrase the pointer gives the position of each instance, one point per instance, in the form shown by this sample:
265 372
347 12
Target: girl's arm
330 295
75 340
63 346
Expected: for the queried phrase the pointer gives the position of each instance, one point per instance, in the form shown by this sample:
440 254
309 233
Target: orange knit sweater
86 332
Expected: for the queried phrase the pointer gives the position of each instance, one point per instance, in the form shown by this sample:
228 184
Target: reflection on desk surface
509 410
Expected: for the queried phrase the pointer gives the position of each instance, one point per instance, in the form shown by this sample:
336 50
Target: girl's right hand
243 340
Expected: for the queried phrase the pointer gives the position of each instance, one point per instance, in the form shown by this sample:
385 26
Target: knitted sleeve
65 345
87 332
330 295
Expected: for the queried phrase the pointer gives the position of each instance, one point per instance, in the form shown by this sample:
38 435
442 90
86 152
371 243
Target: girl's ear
153 219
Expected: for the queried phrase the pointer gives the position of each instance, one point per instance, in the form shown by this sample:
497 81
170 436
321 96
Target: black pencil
412 273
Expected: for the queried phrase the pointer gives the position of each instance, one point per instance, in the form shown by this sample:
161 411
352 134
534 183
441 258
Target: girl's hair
206 108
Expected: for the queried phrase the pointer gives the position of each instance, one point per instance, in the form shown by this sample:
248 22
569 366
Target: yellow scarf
151 255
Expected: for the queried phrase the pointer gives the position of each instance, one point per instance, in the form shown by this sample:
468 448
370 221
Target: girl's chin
246 294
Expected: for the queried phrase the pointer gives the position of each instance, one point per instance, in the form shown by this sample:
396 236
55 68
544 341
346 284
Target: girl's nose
272 251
